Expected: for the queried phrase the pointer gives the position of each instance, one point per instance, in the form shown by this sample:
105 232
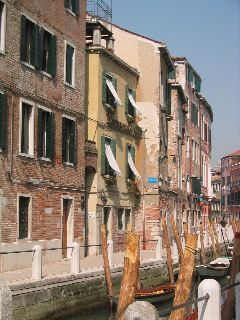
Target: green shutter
72 138
40 48
168 98
103 156
190 74
23 38
50 132
67 3
127 165
134 97
126 99
52 55
196 116
114 82
104 88
197 84
34 46
132 151
40 133
64 139
3 120
171 74
69 55
113 147
75 7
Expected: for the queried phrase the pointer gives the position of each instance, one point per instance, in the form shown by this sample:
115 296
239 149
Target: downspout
159 143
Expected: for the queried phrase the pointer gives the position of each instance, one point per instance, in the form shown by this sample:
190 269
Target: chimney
110 44
97 36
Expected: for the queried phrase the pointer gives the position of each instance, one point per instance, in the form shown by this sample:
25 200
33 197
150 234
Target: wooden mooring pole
218 249
177 238
229 305
106 266
184 283
168 249
210 230
203 256
130 274
185 230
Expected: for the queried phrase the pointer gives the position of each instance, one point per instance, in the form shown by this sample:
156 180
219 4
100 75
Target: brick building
42 130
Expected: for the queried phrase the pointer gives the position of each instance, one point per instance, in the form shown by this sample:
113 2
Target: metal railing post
37 263
206 310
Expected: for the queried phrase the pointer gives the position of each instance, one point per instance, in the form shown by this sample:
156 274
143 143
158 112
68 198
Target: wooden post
185 230
130 274
106 263
184 283
212 240
228 309
177 238
168 249
218 249
203 256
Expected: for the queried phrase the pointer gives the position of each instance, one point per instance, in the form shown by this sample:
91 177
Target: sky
207 33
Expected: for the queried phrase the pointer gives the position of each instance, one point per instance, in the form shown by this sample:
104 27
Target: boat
217 269
154 294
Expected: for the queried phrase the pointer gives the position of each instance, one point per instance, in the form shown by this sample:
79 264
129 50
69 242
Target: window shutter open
75 7
126 99
69 55
52 56
64 139
3 121
168 98
134 97
50 136
72 138
67 3
114 82
23 37
40 48
127 165
104 88
34 46
40 132
113 147
190 74
103 156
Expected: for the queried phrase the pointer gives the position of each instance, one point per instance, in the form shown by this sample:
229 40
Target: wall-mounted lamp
104 200
174 159
162 158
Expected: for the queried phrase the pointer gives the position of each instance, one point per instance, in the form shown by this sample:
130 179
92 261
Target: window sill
26 155
45 159
28 65
70 164
46 74
2 51
110 108
71 12
69 85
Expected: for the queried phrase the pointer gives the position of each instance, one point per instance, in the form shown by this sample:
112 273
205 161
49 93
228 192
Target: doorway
67 227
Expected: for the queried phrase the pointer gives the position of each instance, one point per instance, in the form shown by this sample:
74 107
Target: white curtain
111 160
132 166
113 91
130 97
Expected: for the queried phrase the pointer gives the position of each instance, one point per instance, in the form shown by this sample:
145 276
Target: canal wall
56 296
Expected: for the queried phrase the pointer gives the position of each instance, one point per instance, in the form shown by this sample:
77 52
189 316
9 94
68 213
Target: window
46 128
193 150
2 26
26 128
23 217
130 104
69 65
38 47
29 42
68 140
194 112
47 52
109 91
73 6
109 164
205 131
123 218
3 121
187 147
131 171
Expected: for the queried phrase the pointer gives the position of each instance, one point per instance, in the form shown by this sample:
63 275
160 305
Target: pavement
63 267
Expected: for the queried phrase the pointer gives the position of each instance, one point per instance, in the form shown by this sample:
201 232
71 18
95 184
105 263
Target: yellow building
111 187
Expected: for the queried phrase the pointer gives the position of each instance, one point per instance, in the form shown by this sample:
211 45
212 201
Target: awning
113 91
133 102
132 166
111 160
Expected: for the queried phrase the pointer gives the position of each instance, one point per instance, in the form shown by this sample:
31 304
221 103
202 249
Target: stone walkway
62 268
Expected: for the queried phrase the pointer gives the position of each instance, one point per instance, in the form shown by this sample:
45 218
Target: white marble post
75 259
210 308
237 297
37 263
159 251
110 253
5 301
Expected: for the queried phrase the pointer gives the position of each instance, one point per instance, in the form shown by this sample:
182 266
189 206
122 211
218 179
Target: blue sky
207 33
